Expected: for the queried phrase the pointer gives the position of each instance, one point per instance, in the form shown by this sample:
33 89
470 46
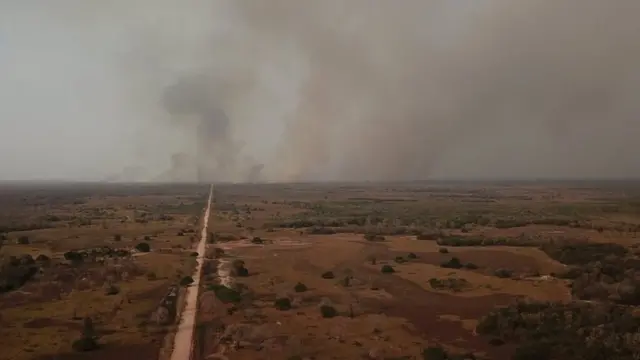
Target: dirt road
183 341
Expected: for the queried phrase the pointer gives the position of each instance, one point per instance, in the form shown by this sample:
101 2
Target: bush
88 340
257 240
412 256
111 290
73 256
225 294
300 287
85 344
387 269
23 240
400 260
443 251
151 276
328 275
117 237
283 304
503 273
238 269
186 281
374 237
428 236
143 247
453 284
328 311
454 263
194 254
470 266
434 353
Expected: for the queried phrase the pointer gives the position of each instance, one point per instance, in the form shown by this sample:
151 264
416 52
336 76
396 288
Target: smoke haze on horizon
286 90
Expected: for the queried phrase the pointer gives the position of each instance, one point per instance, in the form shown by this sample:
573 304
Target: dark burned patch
484 259
423 309
110 352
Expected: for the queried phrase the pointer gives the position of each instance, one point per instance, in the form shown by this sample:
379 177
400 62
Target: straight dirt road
183 341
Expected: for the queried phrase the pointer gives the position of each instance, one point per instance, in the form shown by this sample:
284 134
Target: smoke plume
286 90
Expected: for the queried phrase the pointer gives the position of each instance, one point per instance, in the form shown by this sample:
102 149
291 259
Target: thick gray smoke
216 153
286 90
408 89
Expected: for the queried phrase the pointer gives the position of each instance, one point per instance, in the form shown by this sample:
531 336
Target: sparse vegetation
453 284
374 237
328 311
283 304
88 340
238 269
566 331
328 275
143 247
387 269
226 294
186 281
300 287
453 263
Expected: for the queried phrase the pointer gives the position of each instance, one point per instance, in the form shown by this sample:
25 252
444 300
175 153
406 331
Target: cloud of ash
287 90
412 89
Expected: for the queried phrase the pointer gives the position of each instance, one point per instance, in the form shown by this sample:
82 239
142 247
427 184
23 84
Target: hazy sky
324 90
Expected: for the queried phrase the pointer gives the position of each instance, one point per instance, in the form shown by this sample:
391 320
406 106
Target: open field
89 264
413 271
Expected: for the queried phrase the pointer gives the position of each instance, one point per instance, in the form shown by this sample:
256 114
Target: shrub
328 311
238 269
412 256
111 289
387 269
257 240
143 247
42 258
503 273
443 251
85 344
88 340
147 238
453 263
225 294
300 287
23 240
186 281
328 275
374 237
434 353
117 237
400 259
470 266
428 236
194 254
151 276
283 304
73 256
453 284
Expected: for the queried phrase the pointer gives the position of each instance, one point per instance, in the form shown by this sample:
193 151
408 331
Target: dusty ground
291 234
41 319
385 316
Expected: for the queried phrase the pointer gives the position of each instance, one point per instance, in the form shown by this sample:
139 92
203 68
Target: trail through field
183 341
